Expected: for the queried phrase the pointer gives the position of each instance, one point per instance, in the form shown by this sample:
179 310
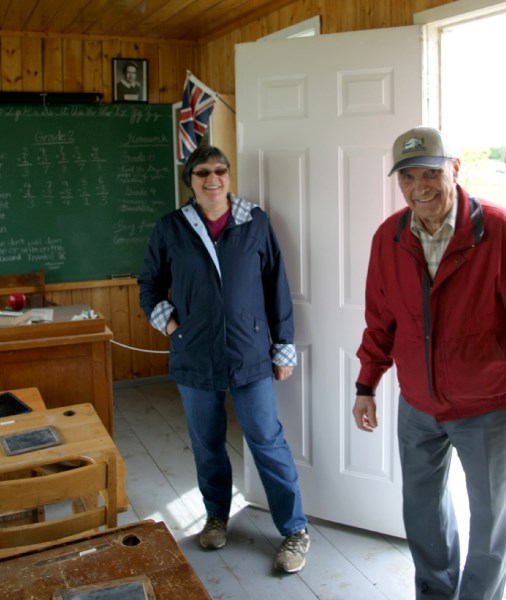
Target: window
467 89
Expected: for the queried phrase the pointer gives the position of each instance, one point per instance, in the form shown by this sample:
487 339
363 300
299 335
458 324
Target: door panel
317 118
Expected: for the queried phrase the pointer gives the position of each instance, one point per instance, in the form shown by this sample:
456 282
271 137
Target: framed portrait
130 80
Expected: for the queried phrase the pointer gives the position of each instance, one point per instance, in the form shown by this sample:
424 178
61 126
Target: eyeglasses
203 173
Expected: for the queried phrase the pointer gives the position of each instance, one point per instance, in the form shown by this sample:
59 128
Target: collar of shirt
451 220
434 246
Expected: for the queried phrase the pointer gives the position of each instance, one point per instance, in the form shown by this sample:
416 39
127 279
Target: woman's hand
282 373
172 325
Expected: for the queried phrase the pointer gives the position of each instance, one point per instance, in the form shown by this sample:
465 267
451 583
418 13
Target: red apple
17 301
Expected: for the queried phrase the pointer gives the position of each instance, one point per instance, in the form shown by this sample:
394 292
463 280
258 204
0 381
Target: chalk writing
43 250
93 178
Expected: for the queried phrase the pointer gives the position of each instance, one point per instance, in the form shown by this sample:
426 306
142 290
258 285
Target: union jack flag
196 109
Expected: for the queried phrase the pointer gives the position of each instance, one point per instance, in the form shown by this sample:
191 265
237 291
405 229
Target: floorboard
343 563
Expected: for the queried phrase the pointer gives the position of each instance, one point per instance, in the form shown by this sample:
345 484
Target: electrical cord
139 349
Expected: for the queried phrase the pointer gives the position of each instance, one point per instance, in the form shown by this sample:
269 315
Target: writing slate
81 187
26 441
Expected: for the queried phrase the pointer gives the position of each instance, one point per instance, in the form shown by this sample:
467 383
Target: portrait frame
125 72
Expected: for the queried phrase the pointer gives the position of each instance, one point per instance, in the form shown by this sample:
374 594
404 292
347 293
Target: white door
316 120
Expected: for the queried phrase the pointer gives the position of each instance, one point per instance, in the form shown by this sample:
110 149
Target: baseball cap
420 147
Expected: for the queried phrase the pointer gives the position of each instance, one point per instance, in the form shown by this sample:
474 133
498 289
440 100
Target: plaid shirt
434 246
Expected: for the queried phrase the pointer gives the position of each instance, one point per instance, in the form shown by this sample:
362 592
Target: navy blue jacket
230 309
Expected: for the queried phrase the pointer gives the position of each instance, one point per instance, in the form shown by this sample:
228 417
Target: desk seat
83 434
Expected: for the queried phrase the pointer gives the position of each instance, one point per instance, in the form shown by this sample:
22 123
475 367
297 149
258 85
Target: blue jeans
255 408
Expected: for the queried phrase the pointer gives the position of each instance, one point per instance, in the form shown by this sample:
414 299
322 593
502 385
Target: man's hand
282 373
364 412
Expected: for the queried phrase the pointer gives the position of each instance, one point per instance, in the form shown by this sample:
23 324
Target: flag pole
207 89
225 103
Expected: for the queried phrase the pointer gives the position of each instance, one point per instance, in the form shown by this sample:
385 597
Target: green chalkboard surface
82 186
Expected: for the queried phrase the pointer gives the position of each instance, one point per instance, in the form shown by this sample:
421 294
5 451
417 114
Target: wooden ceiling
184 20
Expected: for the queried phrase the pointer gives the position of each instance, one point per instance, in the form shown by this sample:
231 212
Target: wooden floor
343 563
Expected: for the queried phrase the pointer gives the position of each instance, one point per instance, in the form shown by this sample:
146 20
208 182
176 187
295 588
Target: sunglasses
203 173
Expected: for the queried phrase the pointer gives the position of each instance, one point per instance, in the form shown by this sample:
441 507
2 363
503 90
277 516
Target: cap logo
412 144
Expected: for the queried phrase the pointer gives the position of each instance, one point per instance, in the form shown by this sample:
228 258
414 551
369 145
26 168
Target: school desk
83 436
98 565
68 361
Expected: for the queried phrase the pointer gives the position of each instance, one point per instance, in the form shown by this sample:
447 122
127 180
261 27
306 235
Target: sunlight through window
473 90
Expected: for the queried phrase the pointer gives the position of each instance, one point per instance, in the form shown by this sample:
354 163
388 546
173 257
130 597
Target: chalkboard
82 186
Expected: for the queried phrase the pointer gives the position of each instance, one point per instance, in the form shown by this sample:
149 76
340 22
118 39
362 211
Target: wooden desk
68 361
145 548
84 436
30 396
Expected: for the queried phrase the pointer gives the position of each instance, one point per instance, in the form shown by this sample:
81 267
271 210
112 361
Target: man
436 306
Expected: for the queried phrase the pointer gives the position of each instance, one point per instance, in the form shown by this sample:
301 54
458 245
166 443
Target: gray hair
202 154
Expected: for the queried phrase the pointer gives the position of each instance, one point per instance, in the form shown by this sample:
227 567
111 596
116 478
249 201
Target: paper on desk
85 314
42 314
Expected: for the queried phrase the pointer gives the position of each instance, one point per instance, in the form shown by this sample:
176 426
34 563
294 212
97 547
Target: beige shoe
291 556
214 534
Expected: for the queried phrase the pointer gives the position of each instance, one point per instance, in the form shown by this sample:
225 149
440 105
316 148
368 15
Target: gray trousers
431 527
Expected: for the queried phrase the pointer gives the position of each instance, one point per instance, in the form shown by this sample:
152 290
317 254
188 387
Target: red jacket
447 337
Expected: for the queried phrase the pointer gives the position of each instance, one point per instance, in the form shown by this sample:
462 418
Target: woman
231 326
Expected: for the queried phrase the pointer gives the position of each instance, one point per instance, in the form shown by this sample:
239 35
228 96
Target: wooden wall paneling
168 74
155 362
100 302
118 302
150 52
255 30
53 65
12 73
81 296
72 65
122 332
92 66
330 18
130 50
110 50
185 60
159 362
218 69
31 53
272 22
223 127
141 361
215 72
60 297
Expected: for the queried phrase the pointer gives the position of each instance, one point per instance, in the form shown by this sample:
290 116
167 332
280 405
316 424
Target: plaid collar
451 220
241 209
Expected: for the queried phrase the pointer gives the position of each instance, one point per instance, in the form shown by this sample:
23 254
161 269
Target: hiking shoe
214 534
291 556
